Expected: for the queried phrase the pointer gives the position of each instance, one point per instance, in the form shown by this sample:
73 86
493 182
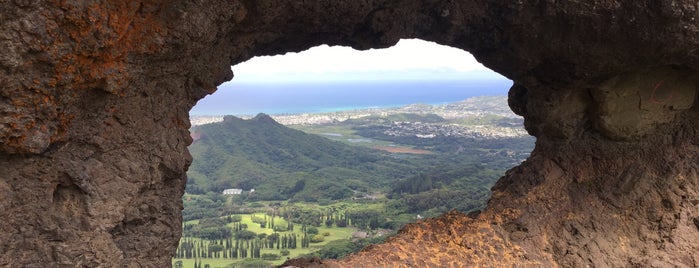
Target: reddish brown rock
94 99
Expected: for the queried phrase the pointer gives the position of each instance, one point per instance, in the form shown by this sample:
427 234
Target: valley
365 172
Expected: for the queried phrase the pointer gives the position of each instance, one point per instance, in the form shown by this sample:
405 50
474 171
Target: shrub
278 228
269 256
326 234
317 238
245 235
312 230
234 218
285 252
257 219
250 263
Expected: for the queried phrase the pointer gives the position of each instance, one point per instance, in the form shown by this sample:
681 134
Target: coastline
450 110
322 97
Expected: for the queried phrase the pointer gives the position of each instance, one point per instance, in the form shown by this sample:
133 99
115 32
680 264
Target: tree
215 248
234 218
312 230
245 235
374 223
300 184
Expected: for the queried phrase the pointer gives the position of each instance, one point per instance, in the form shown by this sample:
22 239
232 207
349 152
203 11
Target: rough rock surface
94 99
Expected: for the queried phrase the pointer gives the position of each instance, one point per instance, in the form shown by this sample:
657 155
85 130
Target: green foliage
461 177
257 219
317 238
216 248
470 148
250 263
245 235
442 200
234 218
340 248
362 218
285 164
209 228
312 230
270 256
281 163
211 205
424 118
304 215
349 185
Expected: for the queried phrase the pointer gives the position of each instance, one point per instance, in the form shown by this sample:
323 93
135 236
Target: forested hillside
282 163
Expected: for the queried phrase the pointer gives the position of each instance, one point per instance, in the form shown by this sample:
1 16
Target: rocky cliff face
95 96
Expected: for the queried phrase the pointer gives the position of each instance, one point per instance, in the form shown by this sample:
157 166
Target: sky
327 78
409 59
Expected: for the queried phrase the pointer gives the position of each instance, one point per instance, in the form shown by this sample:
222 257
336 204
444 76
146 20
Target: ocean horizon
245 99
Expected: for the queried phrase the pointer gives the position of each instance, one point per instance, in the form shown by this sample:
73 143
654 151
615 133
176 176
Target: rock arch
95 96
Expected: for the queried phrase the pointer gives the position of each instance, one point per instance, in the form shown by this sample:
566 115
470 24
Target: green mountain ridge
282 163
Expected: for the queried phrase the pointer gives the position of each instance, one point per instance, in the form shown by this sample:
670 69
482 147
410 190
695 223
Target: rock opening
95 98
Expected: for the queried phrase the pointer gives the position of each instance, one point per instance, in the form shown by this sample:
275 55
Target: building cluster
429 130
235 191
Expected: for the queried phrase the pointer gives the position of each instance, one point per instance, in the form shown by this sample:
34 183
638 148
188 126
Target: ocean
314 97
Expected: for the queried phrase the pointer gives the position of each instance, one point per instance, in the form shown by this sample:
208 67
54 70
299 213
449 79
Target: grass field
341 133
336 233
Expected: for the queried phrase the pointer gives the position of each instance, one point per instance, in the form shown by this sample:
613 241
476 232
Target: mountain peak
264 118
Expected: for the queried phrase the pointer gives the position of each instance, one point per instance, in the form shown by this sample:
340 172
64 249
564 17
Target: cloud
410 58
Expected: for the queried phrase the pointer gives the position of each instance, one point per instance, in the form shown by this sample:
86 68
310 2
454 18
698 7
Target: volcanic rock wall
94 100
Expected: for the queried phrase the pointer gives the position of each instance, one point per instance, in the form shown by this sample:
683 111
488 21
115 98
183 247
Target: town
466 119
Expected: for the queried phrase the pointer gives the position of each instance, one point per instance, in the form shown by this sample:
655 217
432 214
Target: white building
232 191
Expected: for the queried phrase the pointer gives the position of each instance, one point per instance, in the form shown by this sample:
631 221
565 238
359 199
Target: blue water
312 97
